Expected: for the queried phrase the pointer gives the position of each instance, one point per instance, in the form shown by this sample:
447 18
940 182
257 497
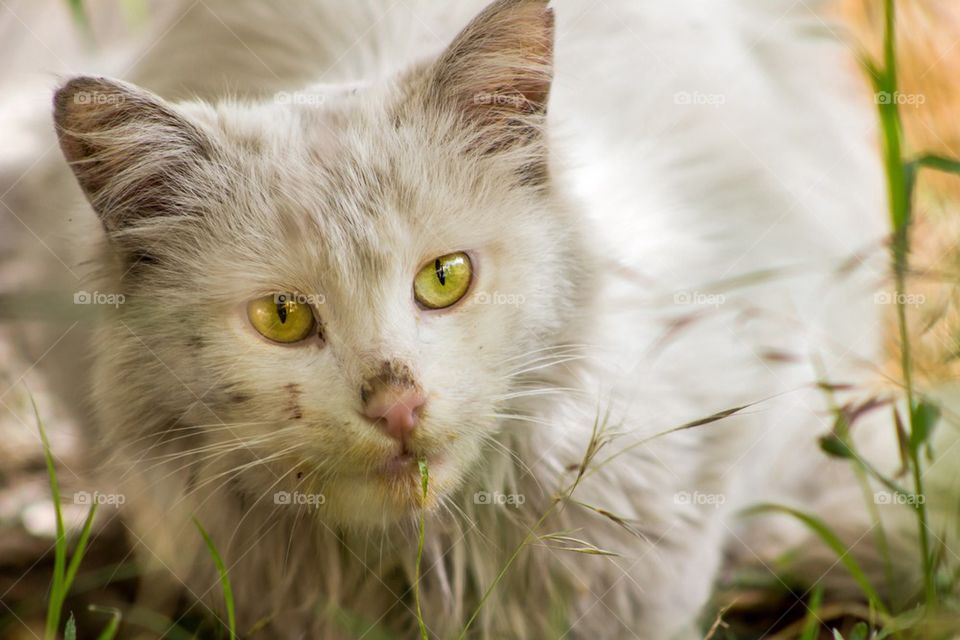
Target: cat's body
709 234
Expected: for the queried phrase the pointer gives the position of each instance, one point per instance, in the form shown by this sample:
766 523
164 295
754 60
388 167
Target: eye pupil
281 318
441 282
441 272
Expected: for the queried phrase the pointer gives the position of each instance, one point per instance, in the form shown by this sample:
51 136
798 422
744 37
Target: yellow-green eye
444 281
279 317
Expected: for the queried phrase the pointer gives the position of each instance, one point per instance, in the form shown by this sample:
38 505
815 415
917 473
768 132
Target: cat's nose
396 410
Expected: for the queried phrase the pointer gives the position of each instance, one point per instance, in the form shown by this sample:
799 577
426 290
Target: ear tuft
132 153
498 71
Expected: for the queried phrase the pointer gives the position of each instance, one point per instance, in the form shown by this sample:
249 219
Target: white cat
493 253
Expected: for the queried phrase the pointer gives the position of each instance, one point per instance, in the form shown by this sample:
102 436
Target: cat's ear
134 155
498 72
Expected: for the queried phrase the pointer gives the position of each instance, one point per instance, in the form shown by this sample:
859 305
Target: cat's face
414 228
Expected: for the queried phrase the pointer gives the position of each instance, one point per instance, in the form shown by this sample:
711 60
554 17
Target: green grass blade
923 418
820 528
811 624
80 549
110 631
224 580
860 631
70 631
938 163
901 178
57 591
424 485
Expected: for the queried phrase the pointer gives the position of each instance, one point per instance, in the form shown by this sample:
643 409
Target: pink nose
396 410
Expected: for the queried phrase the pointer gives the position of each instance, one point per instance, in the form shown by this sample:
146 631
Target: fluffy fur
659 235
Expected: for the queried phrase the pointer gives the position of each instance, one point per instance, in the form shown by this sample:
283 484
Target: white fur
750 201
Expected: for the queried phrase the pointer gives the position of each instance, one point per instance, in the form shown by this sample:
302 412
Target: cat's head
332 286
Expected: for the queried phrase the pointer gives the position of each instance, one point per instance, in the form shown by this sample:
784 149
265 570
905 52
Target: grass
900 188
63 573
66 566
421 536
923 415
811 622
109 631
901 179
225 586
598 440
833 541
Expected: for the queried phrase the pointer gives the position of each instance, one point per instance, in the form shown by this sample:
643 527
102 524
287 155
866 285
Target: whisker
269 489
558 347
293 528
235 471
204 428
520 418
542 391
516 457
540 367
228 448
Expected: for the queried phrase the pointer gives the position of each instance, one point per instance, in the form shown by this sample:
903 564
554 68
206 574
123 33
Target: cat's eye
281 318
443 281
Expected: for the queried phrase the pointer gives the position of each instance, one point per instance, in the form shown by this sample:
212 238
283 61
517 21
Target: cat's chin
390 494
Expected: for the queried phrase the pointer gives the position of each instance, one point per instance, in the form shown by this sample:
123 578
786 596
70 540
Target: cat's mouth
401 464
400 481
404 463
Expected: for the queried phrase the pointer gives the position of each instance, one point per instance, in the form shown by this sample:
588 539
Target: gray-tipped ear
134 155
499 70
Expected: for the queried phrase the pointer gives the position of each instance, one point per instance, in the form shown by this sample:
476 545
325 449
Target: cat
578 279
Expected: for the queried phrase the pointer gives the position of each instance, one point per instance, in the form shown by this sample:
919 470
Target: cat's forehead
339 182
349 145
